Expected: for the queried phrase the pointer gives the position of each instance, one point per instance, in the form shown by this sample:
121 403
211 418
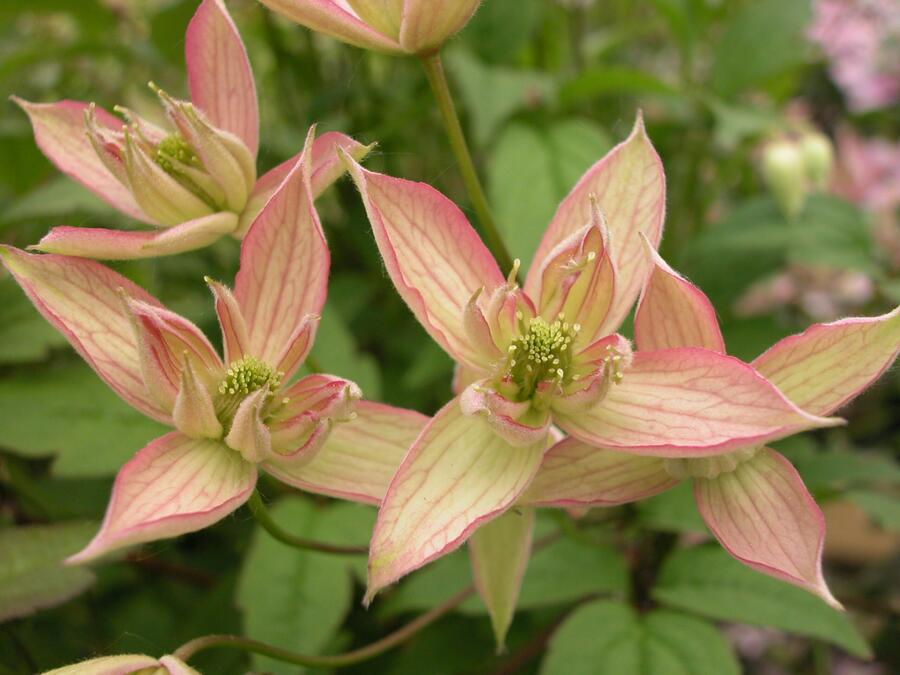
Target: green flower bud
818 158
784 170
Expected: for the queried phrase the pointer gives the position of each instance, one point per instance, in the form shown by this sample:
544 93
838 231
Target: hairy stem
434 69
264 518
188 649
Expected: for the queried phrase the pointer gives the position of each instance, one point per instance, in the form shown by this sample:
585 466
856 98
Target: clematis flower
399 26
127 664
231 417
752 499
544 354
194 181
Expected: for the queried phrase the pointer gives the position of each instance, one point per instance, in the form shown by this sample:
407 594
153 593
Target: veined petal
194 413
382 15
577 474
673 312
516 422
176 666
284 264
297 347
333 18
689 402
499 553
629 187
764 516
248 434
60 134
81 299
219 74
103 244
457 476
124 664
829 364
426 24
432 254
235 340
172 486
360 456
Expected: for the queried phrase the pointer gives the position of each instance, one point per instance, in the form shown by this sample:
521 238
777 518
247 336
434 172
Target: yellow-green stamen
542 353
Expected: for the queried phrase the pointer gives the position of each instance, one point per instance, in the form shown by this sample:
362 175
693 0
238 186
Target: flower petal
97 242
689 402
427 24
194 413
359 458
331 18
673 312
172 486
764 516
284 265
457 476
125 664
81 299
248 434
327 167
297 347
577 474
231 321
499 553
432 254
219 74
829 364
60 134
630 189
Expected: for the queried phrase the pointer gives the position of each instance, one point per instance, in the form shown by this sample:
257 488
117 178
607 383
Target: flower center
173 151
543 353
247 375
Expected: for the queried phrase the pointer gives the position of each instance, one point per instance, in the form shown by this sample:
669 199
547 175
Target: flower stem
188 649
264 518
434 69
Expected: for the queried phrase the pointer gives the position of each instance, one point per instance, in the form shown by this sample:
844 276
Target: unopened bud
818 158
784 171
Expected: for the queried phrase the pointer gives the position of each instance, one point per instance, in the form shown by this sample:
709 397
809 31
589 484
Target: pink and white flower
194 181
231 417
545 354
751 498
398 26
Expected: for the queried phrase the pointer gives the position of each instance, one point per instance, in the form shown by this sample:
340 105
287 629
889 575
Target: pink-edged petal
248 434
334 18
457 476
829 364
577 474
172 486
125 664
165 340
103 244
689 402
235 340
176 666
432 254
59 131
630 189
219 74
765 517
81 299
284 265
499 554
327 167
426 24
673 312
360 456
297 347
194 412
514 421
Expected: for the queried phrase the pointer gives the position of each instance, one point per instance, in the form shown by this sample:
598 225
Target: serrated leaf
706 580
32 575
609 637
66 411
293 598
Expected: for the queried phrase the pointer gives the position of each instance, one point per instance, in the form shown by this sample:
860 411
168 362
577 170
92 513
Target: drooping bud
818 157
784 170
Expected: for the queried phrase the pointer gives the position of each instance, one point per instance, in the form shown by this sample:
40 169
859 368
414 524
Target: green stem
264 518
434 69
188 649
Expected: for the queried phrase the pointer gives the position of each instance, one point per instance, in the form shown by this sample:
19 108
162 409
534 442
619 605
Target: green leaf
336 352
58 198
293 598
24 334
883 508
706 580
609 637
762 40
32 575
672 511
612 80
837 468
65 410
531 170
501 28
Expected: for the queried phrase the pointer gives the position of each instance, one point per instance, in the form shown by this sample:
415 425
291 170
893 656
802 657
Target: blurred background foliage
545 88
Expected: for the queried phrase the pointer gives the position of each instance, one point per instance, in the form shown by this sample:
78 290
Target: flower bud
784 170
818 158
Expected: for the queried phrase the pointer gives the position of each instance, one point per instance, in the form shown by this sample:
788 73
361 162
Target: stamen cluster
173 151
247 375
543 353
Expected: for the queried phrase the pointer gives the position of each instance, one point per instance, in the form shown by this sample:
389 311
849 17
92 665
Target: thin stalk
188 649
264 518
434 69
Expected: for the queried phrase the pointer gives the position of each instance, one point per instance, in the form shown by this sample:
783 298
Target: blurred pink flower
861 39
